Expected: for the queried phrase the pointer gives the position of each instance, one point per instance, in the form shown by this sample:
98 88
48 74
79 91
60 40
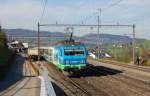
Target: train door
56 60
50 52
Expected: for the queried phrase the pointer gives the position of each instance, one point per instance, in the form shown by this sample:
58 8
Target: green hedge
5 53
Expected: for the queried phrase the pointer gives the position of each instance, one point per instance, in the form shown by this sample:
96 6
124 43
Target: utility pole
38 41
133 41
98 29
0 28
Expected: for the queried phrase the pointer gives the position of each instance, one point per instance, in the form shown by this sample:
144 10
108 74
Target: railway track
83 85
77 86
71 88
140 68
132 82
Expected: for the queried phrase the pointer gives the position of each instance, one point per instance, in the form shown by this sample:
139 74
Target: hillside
30 33
106 38
89 39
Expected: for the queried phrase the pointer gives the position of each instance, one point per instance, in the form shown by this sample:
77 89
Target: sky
26 14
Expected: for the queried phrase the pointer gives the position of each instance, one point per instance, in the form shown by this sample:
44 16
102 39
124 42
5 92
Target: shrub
4 54
3 39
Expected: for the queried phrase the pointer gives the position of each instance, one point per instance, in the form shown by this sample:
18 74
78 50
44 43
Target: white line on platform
44 90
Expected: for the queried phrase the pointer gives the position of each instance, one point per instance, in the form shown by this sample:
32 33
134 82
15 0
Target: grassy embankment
124 54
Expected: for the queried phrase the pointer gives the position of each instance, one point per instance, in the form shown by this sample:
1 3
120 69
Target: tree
3 40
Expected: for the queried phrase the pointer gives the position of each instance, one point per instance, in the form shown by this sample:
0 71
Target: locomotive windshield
74 52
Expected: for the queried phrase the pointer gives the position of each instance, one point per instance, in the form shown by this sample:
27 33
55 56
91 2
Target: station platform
20 80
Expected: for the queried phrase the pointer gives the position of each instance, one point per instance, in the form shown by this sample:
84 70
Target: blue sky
26 13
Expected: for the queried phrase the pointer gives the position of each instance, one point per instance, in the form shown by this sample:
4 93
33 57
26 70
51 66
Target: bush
3 39
5 53
148 62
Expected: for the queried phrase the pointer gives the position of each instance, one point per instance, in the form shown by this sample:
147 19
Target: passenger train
67 56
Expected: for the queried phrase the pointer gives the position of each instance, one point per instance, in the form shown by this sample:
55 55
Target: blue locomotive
67 57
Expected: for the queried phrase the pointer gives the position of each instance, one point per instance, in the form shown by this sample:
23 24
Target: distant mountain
30 33
89 39
105 38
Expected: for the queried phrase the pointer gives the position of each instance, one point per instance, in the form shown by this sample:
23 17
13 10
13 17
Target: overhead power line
43 10
81 5
137 20
112 5
103 9
88 17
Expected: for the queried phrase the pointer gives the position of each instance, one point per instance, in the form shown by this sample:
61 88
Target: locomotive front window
74 52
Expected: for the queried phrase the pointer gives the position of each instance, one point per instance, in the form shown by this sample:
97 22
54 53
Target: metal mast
0 28
133 44
98 29
38 41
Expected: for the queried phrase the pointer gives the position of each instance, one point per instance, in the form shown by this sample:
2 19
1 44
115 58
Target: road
20 81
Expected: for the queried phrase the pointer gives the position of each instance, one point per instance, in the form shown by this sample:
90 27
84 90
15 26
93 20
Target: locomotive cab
73 57
67 57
